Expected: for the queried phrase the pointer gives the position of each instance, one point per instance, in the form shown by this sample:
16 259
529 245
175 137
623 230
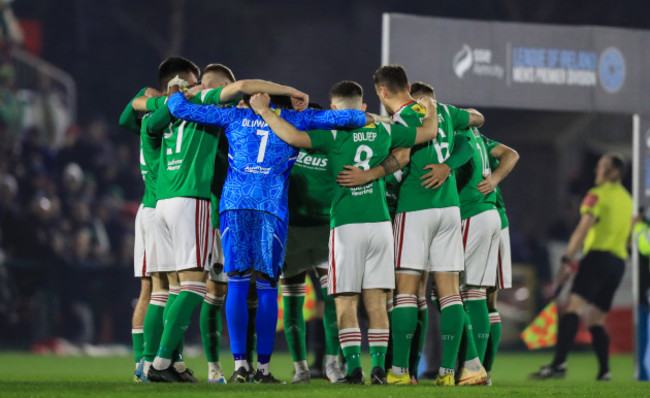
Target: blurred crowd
68 198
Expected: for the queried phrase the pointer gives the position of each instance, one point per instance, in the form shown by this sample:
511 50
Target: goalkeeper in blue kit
254 213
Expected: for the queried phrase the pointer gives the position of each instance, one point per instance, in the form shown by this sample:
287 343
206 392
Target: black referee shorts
598 277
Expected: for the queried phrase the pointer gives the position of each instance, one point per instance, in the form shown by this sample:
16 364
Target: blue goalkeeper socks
266 319
237 313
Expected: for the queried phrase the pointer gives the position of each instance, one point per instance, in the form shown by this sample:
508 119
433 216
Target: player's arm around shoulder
234 91
181 108
508 158
283 129
128 117
429 128
476 118
402 137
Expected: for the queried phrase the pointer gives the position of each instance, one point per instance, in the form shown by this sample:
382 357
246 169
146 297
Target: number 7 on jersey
265 138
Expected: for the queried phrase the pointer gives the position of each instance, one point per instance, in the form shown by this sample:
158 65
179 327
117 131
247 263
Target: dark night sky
307 44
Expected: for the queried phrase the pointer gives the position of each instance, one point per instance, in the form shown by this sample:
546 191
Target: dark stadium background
56 279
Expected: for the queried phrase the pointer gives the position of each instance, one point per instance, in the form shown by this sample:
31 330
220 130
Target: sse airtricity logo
611 70
463 61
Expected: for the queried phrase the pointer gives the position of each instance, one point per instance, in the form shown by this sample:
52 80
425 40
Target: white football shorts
184 231
481 236
360 258
429 240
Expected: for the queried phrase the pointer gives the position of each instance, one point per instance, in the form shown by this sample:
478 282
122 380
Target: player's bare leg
293 295
137 323
211 326
378 332
404 323
154 318
349 334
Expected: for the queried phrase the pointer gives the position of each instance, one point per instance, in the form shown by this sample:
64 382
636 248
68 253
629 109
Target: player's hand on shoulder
260 102
427 102
176 81
299 100
352 176
193 91
152 92
378 118
438 174
171 90
487 185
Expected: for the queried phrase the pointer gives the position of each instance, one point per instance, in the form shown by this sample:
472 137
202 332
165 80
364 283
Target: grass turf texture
23 375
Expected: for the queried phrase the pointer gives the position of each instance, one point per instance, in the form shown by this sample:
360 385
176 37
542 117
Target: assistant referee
603 233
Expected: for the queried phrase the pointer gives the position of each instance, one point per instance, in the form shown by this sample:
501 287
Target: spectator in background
11 108
10 31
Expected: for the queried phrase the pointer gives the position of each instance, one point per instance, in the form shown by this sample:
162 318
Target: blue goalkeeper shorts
253 239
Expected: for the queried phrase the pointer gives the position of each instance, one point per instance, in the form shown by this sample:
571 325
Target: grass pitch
26 375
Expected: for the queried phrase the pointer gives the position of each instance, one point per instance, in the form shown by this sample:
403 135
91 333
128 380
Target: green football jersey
412 195
187 150
311 190
130 119
149 162
365 148
469 175
494 163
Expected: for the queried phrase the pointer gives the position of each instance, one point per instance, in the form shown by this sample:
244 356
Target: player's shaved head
173 66
421 89
393 77
347 95
217 75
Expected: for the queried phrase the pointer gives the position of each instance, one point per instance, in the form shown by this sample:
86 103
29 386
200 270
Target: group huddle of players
245 182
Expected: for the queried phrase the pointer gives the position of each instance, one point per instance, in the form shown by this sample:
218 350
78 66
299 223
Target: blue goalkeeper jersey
259 161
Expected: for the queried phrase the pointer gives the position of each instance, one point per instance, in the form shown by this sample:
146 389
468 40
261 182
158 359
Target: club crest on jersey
419 109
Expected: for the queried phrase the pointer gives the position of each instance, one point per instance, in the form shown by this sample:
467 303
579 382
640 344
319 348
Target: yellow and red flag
542 332
308 309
